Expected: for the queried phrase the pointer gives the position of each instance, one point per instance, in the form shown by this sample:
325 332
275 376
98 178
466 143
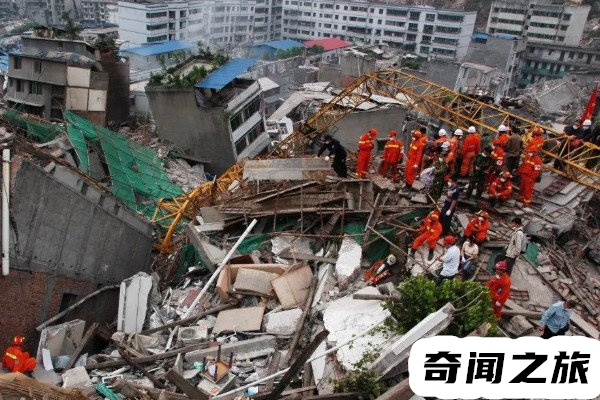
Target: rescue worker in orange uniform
442 137
499 286
17 360
452 157
529 171
470 148
498 160
502 136
478 227
392 156
430 231
365 145
537 140
501 188
414 158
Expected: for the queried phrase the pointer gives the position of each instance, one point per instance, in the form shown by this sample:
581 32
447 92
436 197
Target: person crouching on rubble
429 232
337 151
499 286
501 188
468 256
17 360
478 227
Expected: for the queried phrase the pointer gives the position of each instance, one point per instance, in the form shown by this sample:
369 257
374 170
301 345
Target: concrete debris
133 303
239 320
76 378
282 323
518 326
347 265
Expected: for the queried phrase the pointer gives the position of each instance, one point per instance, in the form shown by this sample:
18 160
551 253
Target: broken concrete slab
254 282
293 286
318 365
347 317
518 326
76 378
283 322
133 303
347 265
247 319
257 344
289 169
398 351
279 244
60 339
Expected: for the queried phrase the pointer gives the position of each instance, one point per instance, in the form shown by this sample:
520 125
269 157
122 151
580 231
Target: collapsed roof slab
294 169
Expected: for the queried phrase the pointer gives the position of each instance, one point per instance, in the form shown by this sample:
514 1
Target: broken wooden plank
400 391
89 334
273 367
300 325
379 297
183 385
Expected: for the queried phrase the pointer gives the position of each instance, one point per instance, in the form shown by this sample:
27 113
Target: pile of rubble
275 304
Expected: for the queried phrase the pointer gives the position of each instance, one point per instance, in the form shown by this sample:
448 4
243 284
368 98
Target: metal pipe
5 211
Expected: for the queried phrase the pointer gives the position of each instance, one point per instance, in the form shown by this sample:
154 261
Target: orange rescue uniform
414 158
535 144
501 140
365 145
477 228
529 171
17 360
471 147
392 155
499 287
500 190
430 231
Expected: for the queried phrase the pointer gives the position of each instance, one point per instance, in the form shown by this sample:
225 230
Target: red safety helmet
392 134
501 266
373 132
417 134
449 240
506 175
434 215
483 214
537 131
18 341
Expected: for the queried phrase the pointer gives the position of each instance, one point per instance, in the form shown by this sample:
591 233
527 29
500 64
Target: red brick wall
32 298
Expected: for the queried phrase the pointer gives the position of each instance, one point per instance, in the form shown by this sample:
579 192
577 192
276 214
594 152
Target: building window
413 27
414 15
35 88
240 144
424 50
20 85
430 17
37 67
17 63
566 17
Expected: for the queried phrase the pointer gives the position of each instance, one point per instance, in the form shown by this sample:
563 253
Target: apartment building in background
547 21
424 30
218 24
552 61
49 12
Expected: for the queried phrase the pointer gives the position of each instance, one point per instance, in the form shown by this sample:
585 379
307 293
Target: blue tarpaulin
221 77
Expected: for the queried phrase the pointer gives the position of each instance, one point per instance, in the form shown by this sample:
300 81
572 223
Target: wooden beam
157 383
401 391
525 313
89 334
273 367
191 319
380 297
146 359
183 385
300 324
295 367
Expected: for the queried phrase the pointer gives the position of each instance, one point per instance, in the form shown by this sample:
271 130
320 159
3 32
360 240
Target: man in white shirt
513 251
469 253
451 260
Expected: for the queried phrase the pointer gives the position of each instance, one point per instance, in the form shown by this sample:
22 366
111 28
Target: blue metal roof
480 35
284 44
160 48
505 36
219 78
3 60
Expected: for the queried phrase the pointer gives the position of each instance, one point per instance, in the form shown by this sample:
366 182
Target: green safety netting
379 248
137 174
36 130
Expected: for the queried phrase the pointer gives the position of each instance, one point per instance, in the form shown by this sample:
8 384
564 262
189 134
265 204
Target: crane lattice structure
578 163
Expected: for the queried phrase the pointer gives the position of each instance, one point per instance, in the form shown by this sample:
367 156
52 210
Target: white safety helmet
391 260
587 122
445 145
442 132
472 129
458 132
502 128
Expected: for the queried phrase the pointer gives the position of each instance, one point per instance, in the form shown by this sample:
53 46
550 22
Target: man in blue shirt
555 321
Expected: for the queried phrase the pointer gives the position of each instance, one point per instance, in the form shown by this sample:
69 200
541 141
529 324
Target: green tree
411 63
361 379
420 296
72 29
316 49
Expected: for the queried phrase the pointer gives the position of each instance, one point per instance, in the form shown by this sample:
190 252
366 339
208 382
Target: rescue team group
491 166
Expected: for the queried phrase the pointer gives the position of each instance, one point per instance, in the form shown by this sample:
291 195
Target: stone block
284 322
192 334
518 326
347 265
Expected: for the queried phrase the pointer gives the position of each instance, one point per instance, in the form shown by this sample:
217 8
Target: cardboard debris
293 286
254 281
239 320
228 276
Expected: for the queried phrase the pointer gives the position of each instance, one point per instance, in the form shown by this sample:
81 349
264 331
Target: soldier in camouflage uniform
441 169
481 166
